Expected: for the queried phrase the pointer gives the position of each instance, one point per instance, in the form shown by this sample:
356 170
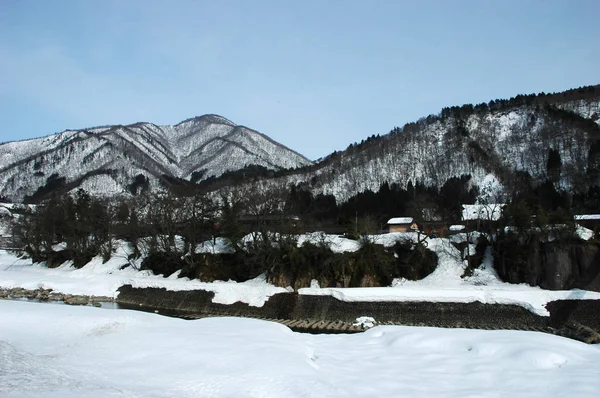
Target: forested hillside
532 138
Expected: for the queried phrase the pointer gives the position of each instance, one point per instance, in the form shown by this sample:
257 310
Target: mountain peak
107 160
210 118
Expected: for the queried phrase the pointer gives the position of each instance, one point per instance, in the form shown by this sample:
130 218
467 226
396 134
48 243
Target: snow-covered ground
445 284
58 351
98 279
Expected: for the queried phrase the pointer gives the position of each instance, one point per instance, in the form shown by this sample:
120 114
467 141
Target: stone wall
295 306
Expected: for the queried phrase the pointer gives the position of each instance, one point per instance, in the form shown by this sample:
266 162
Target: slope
106 160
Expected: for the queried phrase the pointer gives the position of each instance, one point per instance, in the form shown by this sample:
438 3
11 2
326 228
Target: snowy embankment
98 279
63 351
445 284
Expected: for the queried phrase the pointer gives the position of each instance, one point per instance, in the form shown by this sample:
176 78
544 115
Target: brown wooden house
402 224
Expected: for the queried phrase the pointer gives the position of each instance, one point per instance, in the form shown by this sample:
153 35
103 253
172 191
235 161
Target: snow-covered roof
587 217
400 220
583 232
488 212
455 228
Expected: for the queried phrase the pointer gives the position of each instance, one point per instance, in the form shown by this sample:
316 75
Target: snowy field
52 350
59 351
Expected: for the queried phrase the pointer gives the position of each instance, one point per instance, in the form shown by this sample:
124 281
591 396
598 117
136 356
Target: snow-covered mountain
495 143
106 160
489 146
499 143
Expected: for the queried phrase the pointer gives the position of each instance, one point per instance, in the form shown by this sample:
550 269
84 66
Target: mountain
491 143
114 159
504 145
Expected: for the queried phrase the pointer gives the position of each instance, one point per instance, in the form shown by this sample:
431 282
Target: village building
402 224
457 229
589 221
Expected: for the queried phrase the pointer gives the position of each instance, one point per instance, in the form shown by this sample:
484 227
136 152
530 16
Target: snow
490 189
99 279
583 233
5 211
488 212
365 321
554 231
219 245
400 220
532 300
205 143
101 183
587 217
445 284
337 244
54 351
456 228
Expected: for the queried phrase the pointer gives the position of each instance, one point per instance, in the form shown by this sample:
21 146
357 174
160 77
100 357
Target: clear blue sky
314 75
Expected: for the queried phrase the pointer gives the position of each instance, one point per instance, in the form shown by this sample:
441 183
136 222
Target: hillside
107 160
505 144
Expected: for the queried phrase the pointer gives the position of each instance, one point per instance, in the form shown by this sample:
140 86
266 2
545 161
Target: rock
588 335
56 296
43 295
552 265
101 299
76 300
18 292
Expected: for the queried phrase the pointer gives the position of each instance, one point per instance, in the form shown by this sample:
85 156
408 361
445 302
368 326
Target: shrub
165 263
414 261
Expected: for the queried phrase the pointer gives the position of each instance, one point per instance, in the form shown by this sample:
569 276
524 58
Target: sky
313 75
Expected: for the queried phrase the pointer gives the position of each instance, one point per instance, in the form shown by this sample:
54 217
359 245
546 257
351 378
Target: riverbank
575 319
42 295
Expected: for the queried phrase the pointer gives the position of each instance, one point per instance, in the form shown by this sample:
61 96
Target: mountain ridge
208 144
495 143
498 141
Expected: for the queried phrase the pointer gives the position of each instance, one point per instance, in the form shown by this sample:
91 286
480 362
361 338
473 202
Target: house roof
587 217
455 228
400 220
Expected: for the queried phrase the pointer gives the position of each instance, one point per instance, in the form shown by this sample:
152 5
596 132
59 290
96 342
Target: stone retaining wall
473 315
585 312
579 319
305 307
